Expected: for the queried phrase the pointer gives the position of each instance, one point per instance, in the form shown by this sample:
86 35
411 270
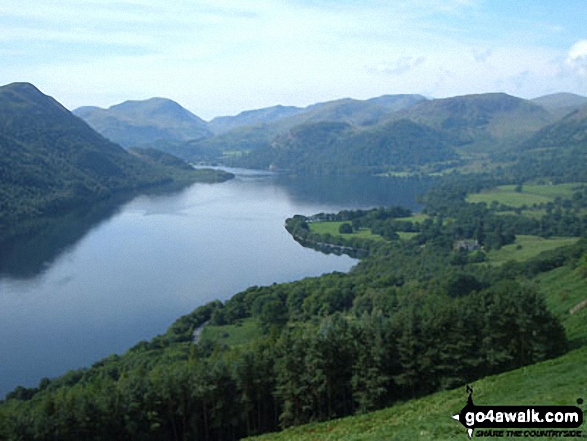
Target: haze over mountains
281 137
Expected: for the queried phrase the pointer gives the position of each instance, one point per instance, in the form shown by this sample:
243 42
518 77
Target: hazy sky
219 57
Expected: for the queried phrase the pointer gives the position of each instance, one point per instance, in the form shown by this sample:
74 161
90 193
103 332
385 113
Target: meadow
529 194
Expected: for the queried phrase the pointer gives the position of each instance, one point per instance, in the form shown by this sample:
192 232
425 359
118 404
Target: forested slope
51 160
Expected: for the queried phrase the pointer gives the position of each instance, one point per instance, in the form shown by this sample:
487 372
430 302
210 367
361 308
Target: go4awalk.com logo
520 421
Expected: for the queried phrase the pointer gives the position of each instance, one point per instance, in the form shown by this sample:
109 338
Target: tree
345 228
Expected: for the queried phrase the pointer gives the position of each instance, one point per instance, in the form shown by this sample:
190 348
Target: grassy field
527 247
332 229
532 214
233 335
531 194
418 217
406 236
510 198
552 191
555 382
364 233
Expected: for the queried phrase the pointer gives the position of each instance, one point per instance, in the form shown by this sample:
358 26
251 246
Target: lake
101 280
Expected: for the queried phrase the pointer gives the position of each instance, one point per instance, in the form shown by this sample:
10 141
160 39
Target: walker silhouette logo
509 418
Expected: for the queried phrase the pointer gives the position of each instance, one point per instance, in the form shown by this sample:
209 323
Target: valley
456 273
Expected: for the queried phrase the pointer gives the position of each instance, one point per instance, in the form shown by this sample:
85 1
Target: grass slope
233 335
527 247
565 291
429 418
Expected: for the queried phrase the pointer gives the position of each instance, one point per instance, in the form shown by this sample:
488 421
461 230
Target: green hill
257 129
557 152
329 147
378 138
136 123
355 112
482 122
570 131
51 160
561 104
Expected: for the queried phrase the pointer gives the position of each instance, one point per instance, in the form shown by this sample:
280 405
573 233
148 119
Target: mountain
224 124
256 129
137 123
366 136
560 104
343 110
483 122
50 160
339 148
397 102
352 111
569 131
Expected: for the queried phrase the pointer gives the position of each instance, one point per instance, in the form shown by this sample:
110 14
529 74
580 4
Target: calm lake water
97 283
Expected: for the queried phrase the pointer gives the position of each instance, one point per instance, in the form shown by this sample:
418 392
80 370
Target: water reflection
350 192
25 255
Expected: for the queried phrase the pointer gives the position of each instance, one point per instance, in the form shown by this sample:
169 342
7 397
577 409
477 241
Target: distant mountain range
343 110
279 136
51 160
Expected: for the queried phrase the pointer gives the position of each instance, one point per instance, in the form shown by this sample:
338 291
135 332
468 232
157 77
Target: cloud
398 67
223 56
577 57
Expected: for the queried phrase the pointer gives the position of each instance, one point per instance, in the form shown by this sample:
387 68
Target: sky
221 57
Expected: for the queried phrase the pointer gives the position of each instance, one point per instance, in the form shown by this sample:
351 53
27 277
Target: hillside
561 104
378 140
136 123
570 131
266 115
51 160
328 147
551 382
397 102
351 111
484 122
557 152
254 130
